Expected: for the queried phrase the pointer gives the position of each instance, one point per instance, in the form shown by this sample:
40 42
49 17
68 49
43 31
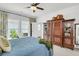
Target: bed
28 46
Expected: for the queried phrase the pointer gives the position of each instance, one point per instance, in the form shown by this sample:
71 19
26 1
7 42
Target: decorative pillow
4 44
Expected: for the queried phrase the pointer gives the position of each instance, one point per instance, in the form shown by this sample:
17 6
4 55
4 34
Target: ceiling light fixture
33 8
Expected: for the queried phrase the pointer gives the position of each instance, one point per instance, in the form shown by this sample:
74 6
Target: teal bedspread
28 46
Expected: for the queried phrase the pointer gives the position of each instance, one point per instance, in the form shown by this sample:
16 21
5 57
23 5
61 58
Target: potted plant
47 44
13 33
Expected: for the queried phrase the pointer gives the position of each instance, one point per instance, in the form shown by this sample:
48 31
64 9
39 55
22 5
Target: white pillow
4 44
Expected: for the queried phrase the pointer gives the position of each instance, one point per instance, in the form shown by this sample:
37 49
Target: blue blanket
27 47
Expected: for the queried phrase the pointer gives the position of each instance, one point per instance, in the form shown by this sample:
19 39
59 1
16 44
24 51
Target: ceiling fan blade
35 4
40 8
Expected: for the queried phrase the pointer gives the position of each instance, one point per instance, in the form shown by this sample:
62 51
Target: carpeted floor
59 51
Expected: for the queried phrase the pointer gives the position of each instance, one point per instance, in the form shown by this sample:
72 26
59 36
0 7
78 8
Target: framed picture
77 34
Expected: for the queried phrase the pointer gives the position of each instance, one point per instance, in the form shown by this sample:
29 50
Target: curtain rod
15 13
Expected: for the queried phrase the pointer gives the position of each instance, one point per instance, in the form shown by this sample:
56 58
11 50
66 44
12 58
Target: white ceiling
19 8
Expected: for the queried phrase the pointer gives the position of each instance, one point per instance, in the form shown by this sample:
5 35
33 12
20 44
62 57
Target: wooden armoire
60 31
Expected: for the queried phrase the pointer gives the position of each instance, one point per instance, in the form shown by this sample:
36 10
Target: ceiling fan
34 7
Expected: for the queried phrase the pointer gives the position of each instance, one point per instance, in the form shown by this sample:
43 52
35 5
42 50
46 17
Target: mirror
77 33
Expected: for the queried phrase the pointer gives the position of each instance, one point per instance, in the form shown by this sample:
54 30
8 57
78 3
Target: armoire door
68 34
57 32
49 24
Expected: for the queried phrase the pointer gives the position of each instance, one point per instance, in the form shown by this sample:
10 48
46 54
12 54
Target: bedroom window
17 27
25 27
39 27
12 25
